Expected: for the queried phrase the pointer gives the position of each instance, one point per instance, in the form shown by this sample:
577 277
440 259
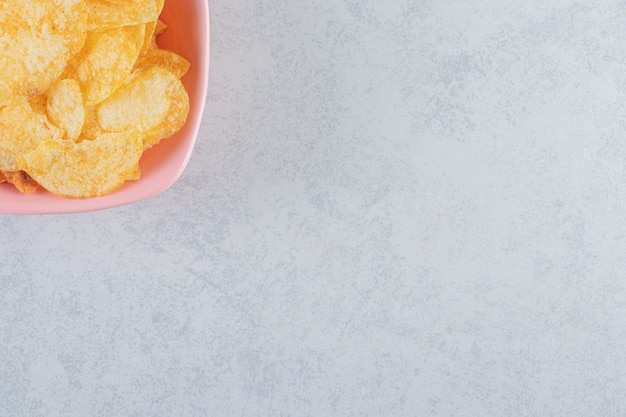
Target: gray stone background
395 208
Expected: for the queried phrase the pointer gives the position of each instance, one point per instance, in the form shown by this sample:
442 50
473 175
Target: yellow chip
84 90
21 129
38 104
71 23
161 26
20 180
136 35
104 63
165 59
85 169
64 107
159 3
91 128
153 100
105 15
148 38
37 38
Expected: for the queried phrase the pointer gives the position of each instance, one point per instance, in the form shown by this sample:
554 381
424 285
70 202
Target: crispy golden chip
104 63
161 26
84 90
89 168
153 29
21 129
20 180
122 2
159 5
64 107
165 59
154 100
91 128
71 22
103 14
37 39
38 103
136 35
148 40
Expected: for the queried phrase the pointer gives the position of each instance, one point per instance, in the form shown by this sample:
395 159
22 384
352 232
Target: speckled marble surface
395 208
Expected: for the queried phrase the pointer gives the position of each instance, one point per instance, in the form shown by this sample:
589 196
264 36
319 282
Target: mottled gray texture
395 208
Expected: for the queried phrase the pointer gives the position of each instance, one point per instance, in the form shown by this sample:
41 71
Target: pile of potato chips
84 91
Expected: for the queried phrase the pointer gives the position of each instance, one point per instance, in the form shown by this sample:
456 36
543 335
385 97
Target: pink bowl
161 166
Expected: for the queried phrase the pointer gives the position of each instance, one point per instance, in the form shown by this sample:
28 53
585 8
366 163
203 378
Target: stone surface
395 208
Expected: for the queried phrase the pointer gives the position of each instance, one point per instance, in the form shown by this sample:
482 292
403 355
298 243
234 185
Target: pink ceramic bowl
161 166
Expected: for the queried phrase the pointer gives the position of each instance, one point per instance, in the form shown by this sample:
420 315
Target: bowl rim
73 206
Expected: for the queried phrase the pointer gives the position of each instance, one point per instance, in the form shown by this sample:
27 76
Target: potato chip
153 29
64 107
136 35
89 168
37 39
161 26
148 38
91 127
38 103
122 2
85 90
154 100
71 23
159 3
165 59
104 63
21 129
103 14
20 180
